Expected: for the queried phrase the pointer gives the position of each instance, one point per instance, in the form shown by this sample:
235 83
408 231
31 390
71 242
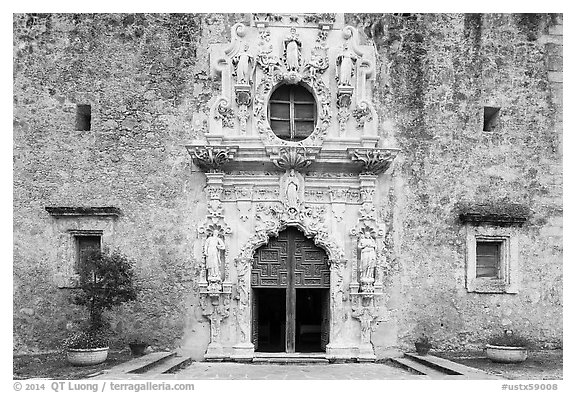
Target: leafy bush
509 339
106 280
87 339
423 340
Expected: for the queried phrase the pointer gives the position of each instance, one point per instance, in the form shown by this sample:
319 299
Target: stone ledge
61 211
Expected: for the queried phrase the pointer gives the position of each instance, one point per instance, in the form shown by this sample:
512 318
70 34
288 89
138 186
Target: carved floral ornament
271 219
374 160
292 157
292 69
211 158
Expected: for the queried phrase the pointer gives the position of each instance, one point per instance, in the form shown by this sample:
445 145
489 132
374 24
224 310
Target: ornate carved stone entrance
305 161
290 269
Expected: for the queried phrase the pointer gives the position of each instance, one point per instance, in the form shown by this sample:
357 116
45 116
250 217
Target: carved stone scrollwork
225 113
215 307
362 114
339 296
343 102
211 158
243 297
366 309
374 160
272 218
293 157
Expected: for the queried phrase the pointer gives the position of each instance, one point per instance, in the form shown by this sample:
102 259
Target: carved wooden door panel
288 261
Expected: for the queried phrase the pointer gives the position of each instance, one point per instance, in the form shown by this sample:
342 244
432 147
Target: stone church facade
292 183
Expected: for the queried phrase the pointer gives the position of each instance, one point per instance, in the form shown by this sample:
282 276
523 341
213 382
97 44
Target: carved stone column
365 310
215 307
244 349
338 349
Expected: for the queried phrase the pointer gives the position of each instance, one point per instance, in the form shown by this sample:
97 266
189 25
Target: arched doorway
290 295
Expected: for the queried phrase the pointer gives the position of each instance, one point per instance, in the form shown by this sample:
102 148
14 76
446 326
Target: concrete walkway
240 371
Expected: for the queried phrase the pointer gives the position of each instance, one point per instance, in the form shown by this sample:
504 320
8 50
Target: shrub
509 339
87 339
106 280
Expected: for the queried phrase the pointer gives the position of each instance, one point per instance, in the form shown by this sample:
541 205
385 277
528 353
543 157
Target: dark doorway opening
272 319
310 319
290 279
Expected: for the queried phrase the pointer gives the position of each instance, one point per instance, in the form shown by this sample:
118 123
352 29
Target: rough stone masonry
146 78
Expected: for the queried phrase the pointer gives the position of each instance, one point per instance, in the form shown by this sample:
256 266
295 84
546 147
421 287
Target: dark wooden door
289 261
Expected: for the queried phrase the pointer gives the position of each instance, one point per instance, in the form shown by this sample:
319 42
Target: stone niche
292 142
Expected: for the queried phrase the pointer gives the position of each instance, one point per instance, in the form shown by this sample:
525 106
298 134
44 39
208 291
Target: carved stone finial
374 160
211 158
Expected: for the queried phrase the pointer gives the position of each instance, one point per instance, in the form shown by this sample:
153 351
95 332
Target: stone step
137 365
289 358
417 367
449 367
169 366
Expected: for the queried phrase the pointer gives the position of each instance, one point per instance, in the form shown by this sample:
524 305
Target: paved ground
239 371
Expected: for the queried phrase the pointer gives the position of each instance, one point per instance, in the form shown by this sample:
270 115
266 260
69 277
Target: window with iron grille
292 112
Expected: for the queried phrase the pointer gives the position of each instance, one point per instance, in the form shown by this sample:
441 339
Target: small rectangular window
490 118
487 259
83 117
85 246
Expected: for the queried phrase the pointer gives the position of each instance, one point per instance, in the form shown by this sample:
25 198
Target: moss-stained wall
437 74
147 79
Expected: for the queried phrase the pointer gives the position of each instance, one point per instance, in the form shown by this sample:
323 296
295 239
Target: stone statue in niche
346 61
212 251
292 51
244 64
292 198
367 246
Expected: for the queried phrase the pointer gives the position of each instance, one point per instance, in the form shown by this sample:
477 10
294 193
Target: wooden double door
290 295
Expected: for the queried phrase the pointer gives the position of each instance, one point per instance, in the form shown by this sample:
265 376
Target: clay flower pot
138 348
422 348
502 354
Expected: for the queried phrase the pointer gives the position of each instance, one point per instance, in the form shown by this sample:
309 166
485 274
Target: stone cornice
492 219
210 158
67 211
374 160
498 213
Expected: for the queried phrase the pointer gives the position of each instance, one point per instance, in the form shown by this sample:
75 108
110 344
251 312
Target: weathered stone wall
147 80
436 75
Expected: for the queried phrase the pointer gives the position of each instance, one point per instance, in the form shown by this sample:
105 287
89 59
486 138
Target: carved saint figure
243 68
292 190
212 249
292 56
367 246
346 60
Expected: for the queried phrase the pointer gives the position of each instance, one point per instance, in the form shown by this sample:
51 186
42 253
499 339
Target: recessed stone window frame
508 278
69 224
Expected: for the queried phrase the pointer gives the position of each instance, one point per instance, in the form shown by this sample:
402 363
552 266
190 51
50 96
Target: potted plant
507 348
106 280
423 345
138 345
87 347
